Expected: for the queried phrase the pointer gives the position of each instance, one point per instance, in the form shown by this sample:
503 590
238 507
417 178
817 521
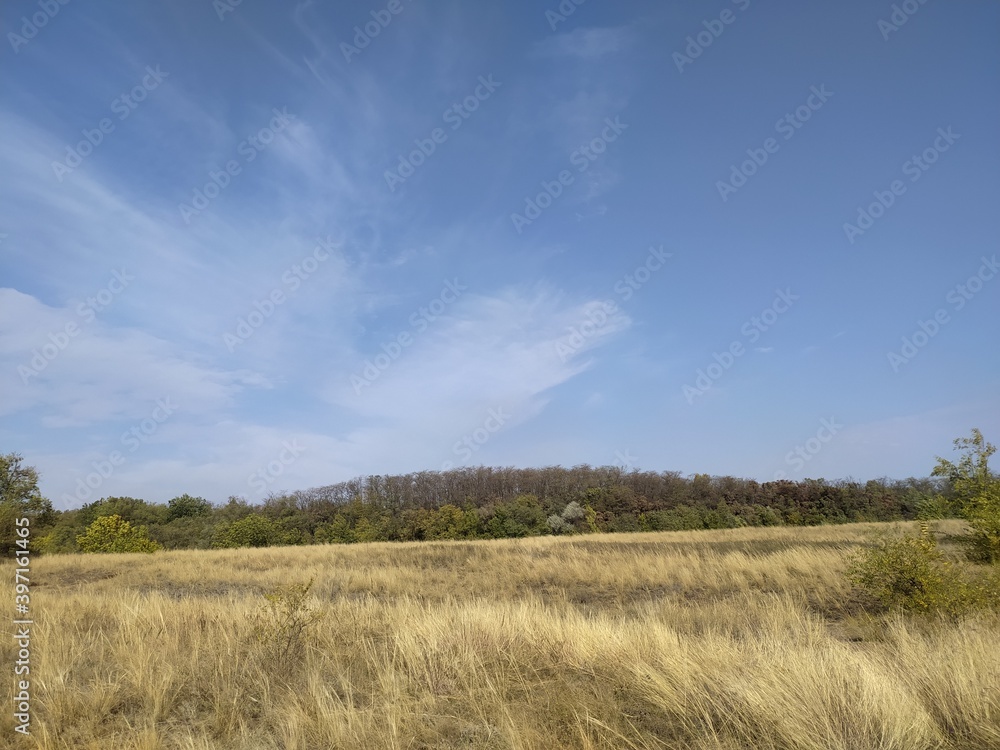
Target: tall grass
744 638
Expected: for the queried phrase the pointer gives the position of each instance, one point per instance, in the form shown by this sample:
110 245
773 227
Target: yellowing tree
115 534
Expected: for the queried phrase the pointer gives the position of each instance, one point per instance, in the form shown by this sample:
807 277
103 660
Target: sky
253 247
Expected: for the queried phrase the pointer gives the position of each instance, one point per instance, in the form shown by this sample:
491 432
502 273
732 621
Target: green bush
621 522
722 518
447 522
569 521
977 493
681 518
934 508
253 530
338 531
184 532
60 538
366 531
764 515
911 574
136 511
114 534
522 516
983 514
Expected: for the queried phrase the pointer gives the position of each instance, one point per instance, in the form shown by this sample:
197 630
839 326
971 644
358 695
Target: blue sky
260 247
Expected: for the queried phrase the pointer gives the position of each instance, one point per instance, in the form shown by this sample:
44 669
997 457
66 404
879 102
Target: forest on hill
476 503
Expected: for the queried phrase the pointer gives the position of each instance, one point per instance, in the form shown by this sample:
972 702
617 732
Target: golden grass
745 638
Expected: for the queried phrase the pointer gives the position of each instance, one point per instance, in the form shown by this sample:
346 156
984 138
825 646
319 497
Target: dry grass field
744 638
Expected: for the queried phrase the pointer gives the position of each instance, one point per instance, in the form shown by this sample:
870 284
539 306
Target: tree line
466 503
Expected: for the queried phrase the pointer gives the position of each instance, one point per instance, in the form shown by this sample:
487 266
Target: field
744 638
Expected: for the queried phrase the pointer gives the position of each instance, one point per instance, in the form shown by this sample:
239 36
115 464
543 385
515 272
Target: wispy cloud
585 43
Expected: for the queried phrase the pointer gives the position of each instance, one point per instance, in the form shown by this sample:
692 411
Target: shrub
185 532
566 522
115 534
366 531
911 574
253 530
447 522
558 525
934 508
621 522
522 516
134 510
338 531
977 491
983 514
722 518
282 627
681 518
61 538
763 515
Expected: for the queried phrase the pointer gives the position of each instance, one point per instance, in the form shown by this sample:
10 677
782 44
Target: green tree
681 518
115 534
186 532
522 516
186 506
448 522
20 497
977 492
134 510
59 538
338 531
366 531
254 530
